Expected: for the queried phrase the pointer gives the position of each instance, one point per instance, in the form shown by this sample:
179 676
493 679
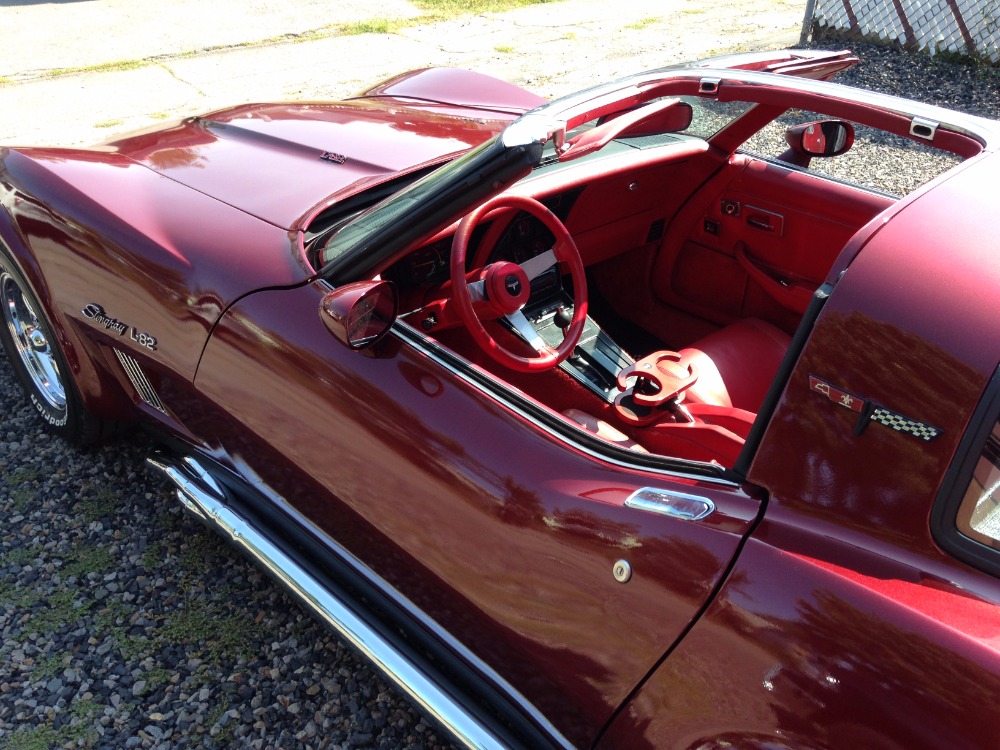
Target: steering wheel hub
507 287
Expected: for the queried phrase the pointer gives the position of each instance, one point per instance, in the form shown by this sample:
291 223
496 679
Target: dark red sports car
618 421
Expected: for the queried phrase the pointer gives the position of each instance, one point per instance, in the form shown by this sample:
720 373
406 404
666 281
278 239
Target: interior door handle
788 294
764 220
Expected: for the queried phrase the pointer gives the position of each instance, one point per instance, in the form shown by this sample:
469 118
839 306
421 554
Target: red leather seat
736 364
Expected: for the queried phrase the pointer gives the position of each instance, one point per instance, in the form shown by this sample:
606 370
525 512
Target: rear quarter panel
821 646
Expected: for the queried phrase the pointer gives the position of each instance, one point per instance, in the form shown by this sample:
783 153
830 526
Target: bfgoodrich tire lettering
35 355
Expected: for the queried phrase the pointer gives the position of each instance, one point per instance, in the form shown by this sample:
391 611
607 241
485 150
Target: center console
596 360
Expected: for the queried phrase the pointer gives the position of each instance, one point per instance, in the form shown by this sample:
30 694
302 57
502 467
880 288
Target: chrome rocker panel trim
204 499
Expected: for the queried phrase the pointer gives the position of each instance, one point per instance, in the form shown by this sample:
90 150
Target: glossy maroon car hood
283 162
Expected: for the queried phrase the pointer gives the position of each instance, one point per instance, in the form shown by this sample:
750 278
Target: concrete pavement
138 64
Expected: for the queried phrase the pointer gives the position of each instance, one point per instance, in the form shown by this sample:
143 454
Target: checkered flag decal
869 411
900 423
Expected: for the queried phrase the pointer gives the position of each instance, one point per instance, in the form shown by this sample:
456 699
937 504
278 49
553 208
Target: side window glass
979 513
878 160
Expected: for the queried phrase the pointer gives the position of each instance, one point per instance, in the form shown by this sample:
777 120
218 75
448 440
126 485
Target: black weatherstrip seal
511 400
780 380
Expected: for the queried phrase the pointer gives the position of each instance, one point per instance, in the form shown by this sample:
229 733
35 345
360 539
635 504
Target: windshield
423 208
376 218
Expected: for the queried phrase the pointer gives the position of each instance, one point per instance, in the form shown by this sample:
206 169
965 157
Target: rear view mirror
822 138
671 120
361 313
663 116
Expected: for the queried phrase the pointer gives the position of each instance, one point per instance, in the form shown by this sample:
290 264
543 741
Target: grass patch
642 23
199 553
87 559
60 609
503 49
42 737
165 521
49 667
79 733
152 557
131 647
376 26
158 676
112 620
108 123
63 606
85 710
22 475
153 679
97 505
202 623
108 67
20 555
222 739
19 599
21 498
53 611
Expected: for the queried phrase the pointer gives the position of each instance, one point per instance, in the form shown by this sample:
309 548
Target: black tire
36 356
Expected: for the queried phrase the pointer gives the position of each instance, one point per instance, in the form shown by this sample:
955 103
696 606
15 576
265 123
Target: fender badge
331 156
868 411
97 314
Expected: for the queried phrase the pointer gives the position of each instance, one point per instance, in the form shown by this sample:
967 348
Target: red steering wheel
502 289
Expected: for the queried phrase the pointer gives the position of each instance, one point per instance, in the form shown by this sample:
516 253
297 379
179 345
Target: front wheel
34 353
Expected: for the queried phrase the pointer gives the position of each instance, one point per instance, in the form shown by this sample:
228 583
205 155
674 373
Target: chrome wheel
31 339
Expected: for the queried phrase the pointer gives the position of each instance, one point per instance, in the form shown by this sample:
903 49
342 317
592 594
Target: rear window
966 517
979 512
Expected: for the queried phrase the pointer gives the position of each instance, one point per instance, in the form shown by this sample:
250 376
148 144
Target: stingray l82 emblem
96 313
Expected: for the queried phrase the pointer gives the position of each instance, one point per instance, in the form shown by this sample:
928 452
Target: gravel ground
124 624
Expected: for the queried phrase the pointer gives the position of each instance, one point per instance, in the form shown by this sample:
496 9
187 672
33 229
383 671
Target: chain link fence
963 27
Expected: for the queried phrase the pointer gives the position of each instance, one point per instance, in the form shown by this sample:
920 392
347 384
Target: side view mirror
822 138
361 313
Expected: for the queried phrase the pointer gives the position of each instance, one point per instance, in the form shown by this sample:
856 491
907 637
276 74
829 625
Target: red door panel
501 533
757 240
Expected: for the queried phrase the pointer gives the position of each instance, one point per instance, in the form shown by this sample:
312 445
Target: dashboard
524 238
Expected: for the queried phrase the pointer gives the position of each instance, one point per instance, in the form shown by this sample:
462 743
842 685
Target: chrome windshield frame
492 167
